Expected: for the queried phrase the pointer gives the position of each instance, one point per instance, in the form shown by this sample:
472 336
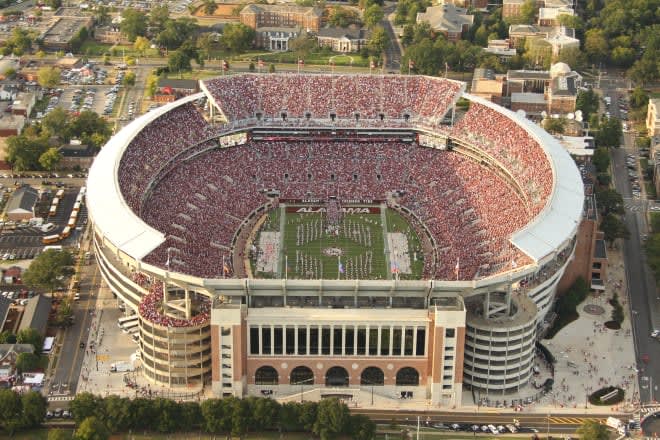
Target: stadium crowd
200 203
151 307
461 205
369 96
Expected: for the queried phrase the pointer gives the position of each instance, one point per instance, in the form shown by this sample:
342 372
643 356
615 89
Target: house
476 4
20 205
351 39
276 39
562 94
8 91
447 19
178 87
11 125
35 314
500 48
8 355
24 103
486 84
12 275
653 117
511 8
75 155
561 42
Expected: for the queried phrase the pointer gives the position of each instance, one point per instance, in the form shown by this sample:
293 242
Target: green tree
49 270
610 133
609 201
116 414
426 57
527 12
64 317
623 56
555 125
134 23
55 122
587 102
592 430
342 17
176 32
158 16
209 7
48 77
263 413
152 85
11 417
271 68
596 46
179 61
7 337
303 45
91 429
31 336
90 128
372 16
240 416
58 434
237 37
168 412
26 362
601 160
331 419
613 228
102 15
213 415
34 407
639 98
23 152
361 427
141 44
190 417
50 159
378 41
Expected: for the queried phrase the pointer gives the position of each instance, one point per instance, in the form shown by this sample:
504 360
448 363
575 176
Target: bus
59 193
65 232
53 248
48 345
52 211
50 239
76 207
124 319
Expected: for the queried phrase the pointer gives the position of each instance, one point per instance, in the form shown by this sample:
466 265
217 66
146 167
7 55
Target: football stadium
311 235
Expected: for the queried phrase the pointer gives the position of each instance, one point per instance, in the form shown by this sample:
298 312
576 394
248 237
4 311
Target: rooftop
23 199
446 17
284 9
36 314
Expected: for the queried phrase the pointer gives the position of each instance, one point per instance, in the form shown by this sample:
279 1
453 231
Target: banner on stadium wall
345 201
345 210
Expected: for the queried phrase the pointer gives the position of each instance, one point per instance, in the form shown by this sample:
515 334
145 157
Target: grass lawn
94 48
321 57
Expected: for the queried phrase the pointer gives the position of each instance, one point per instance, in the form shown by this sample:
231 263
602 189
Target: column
272 339
355 339
403 340
366 348
414 348
307 339
320 338
391 339
332 339
343 339
261 340
380 330
295 339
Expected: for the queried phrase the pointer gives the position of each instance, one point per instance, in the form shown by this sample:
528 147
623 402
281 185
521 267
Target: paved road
70 357
557 423
644 301
392 57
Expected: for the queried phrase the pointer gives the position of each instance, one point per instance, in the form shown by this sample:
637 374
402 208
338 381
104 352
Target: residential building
35 314
8 355
24 103
76 155
550 16
11 125
447 19
511 8
276 39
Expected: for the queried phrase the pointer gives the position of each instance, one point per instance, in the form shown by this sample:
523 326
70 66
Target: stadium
313 235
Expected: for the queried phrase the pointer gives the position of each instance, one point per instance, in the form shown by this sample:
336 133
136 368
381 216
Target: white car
655 334
654 208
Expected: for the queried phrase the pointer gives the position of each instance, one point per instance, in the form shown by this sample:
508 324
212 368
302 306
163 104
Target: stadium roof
562 214
104 199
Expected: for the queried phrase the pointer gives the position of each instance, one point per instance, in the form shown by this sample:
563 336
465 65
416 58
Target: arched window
407 376
301 376
336 377
266 375
372 376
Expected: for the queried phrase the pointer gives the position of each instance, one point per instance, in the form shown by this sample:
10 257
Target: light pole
301 383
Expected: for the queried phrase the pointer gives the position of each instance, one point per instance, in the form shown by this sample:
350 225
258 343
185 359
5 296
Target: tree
50 159
360 427
271 68
596 46
90 128
152 85
102 15
613 228
58 434
64 317
213 415
10 411
55 122
342 17
176 32
129 79
639 98
527 12
237 37
609 201
7 337
48 77
378 41
134 23
372 16
426 57
23 152
209 7
141 44
303 44
179 61
555 125
31 336
587 102
592 430
158 16
331 419
91 429
116 414
609 133
49 270
601 160
34 407
27 362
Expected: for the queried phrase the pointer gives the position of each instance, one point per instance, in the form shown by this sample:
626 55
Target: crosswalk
633 207
649 409
573 420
